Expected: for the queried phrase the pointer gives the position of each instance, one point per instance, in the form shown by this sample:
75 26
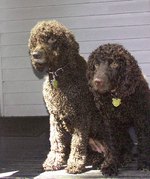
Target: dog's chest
56 100
121 113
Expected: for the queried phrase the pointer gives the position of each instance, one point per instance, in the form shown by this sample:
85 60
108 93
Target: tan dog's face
50 45
43 52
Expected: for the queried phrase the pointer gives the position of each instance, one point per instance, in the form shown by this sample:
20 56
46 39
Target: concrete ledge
128 172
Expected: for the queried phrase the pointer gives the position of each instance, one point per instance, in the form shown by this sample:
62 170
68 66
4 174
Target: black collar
54 74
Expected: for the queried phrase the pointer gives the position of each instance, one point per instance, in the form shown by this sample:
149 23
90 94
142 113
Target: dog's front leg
77 158
56 158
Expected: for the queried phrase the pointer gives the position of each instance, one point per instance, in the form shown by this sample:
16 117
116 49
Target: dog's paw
125 160
51 167
109 170
54 161
145 165
74 169
75 166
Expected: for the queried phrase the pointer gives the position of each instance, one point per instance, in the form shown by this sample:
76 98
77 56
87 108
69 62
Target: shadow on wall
40 75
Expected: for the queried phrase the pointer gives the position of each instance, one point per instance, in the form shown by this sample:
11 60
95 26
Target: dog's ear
90 71
129 78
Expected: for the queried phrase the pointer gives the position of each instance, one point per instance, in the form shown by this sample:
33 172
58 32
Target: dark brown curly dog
122 96
70 103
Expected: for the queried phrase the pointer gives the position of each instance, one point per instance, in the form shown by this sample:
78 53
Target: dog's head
113 69
50 44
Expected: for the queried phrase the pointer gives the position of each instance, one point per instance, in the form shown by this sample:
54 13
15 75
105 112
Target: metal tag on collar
54 82
116 102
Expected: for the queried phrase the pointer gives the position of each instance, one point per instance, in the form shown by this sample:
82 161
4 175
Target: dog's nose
98 82
37 55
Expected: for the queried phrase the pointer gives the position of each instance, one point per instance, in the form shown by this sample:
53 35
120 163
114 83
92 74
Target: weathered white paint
1 83
23 98
88 21
22 86
93 22
25 110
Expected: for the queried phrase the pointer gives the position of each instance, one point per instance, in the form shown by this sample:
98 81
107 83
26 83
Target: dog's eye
114 65
51 41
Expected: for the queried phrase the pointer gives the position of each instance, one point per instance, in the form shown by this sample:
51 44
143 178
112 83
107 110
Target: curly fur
73 114
114 73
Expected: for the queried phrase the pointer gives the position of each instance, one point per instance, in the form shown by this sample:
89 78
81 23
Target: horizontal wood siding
93 22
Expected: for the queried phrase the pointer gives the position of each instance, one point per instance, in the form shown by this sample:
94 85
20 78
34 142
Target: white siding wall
93 22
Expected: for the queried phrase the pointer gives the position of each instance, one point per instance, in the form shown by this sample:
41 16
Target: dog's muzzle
38 57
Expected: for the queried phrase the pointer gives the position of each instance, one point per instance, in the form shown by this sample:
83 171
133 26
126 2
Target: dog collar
54 74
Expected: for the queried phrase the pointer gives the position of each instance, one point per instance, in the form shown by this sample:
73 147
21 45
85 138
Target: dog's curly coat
73 114
122 96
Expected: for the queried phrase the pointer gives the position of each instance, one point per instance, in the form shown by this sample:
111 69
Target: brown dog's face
109 69
105 75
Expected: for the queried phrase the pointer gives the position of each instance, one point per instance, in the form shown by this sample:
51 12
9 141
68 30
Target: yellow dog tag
116 102
55 83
